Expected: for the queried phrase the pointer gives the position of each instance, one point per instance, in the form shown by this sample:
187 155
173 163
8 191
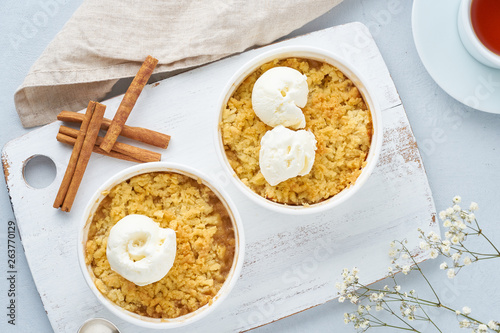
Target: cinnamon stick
145 135
136 153
128 102
83 159
69 140
70 169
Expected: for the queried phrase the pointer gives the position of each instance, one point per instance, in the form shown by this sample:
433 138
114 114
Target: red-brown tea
485 17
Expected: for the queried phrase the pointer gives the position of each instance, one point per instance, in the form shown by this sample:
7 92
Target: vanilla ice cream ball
278 96
140 250
285 154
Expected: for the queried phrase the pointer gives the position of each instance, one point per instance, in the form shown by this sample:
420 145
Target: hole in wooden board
39 171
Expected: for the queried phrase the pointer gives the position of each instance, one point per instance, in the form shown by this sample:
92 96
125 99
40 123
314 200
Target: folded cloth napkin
106 40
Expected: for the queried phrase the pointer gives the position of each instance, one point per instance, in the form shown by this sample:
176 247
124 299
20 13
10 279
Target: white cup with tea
479 29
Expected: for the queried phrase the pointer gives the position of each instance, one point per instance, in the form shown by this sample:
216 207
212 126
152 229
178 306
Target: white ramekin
233 274
312 53
471 41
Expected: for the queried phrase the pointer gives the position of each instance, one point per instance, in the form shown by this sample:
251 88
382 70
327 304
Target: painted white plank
291 263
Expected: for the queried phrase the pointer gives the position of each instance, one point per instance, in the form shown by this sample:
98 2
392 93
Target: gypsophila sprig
407 307
459 224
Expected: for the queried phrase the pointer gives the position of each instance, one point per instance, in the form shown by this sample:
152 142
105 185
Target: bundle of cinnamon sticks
87 140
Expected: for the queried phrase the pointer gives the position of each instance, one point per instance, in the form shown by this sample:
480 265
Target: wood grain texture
292 262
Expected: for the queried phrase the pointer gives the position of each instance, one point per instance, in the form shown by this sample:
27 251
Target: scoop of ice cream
286 154
278 96
139 250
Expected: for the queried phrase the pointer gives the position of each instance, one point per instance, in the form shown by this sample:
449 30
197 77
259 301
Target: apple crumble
335 113
205 243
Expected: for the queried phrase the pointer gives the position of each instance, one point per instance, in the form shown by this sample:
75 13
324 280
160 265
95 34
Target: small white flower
379 307
392 253
364 324
389 269
449 211
354 299
373 297
445 249
442 215
447 223
405 256
464 323
407 312
434 254
457 199
457 312
346 320
435 237
381 296
397 288
466 310
386 287
443 266
473 206
471 217
455 239
493 325
424 246
461 225
451 273
467 261
406 269
456 256
446 243
341 299
345 272
457 208
355 270
368 308
482 328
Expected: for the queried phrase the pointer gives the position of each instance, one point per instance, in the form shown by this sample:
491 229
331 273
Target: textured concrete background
460 148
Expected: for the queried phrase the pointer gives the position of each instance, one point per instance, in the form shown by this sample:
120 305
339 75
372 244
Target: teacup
479 40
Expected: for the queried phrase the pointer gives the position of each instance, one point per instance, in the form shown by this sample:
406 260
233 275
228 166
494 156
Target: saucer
435 32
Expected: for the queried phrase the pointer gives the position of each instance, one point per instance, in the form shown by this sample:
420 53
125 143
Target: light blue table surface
460 148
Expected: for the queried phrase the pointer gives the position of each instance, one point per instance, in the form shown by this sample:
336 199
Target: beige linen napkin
106 40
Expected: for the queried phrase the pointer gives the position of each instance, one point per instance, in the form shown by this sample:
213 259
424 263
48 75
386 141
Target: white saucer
435 33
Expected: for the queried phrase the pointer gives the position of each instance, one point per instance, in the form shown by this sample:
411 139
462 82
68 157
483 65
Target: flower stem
421 273
480 232
428 318
389 309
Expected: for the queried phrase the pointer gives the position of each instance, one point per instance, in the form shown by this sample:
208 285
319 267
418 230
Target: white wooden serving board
292 262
